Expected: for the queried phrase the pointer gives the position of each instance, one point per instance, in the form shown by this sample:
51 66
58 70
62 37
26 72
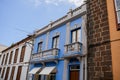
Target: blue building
60 49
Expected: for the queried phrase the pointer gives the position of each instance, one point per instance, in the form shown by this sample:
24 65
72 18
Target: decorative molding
80 11
68 33
76 26
41 40
48 34
56 34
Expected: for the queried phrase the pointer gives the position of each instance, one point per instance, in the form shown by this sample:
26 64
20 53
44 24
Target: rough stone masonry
99 50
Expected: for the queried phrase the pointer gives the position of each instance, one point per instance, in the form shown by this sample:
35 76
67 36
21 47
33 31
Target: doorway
74 72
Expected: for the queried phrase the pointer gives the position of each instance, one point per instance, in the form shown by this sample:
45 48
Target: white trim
47 38
117 10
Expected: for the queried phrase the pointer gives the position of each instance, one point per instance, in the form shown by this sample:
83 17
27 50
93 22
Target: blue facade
66 50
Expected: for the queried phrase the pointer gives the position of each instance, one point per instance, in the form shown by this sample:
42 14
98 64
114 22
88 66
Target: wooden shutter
19 72
3 71
16 55
7 73
0 69
22 53
10 57
12 73
6 58
3 59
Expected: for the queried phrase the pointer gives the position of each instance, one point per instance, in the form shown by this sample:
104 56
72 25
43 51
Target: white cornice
80 11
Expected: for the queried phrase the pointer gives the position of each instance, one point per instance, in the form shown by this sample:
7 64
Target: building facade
99 45
82 45
103 39
113 8
14 61
60 49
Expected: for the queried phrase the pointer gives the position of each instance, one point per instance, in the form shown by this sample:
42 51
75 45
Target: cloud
76 2
37 2
54 2
57 2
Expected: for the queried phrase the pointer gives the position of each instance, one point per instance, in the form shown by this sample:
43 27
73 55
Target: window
52 76
39 47
10 57
22 53
19 72
74 67
55 42
7 73
6 58
117 5
3 71
0 70
76 35
12 73
3 59
0 56
16 55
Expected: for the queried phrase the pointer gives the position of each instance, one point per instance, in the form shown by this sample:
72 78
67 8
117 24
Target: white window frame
76 35
55 43
39 49
117 10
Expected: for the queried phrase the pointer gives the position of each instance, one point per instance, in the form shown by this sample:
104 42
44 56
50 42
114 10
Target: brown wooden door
12 73
7 73
74 75
19 73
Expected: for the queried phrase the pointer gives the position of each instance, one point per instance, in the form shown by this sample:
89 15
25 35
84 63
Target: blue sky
18 18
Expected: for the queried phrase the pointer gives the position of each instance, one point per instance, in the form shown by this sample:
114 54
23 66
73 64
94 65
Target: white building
14 60
2 47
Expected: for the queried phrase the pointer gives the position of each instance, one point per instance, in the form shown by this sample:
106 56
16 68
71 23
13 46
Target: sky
18 18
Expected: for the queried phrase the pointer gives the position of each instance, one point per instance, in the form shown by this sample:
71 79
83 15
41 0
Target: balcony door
76 36
39 47
55 42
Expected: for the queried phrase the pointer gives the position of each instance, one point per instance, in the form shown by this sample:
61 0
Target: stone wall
99 50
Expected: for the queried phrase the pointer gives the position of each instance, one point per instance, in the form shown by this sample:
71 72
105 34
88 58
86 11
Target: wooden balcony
46 55
73 49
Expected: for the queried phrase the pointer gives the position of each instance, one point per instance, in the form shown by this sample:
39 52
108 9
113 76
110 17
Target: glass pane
118 14
57 41
73 36
52 76
78 35
39 47
118 4
54 42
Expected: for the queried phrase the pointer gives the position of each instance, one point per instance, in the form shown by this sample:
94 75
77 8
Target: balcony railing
45 55
73 49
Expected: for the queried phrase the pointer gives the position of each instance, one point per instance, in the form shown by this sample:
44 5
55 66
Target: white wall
24 72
